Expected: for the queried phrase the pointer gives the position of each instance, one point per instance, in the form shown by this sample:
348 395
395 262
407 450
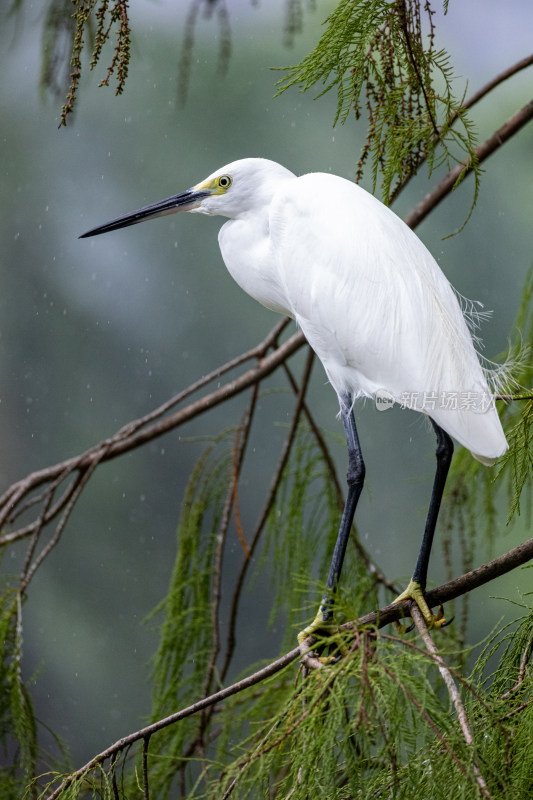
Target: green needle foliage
518 461
376 56
379 722
470 498
302 529
18 728
181 664
305 514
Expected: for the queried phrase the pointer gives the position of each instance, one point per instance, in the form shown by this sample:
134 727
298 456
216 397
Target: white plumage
369 297
372 303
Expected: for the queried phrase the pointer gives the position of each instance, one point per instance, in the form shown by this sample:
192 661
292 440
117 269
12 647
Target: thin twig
516 710
146 789
49 515
263 748
523 63
427 718
244 430
241 440
411 645
77 490
453 691
216 594
129 437
402 14
114 783
121 744
328 459
35 538
512 559
239 583
526 655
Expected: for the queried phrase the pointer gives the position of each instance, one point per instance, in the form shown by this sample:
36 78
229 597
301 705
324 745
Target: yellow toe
320 626
414 592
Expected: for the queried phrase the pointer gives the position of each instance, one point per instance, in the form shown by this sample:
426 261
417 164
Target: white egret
372 303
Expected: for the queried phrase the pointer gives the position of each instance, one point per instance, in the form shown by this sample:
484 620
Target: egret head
240 187
232 191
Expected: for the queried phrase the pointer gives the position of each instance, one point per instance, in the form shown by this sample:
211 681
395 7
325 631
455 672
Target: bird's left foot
323 625
414 592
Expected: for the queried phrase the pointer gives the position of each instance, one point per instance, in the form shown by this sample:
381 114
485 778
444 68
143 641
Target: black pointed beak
186 201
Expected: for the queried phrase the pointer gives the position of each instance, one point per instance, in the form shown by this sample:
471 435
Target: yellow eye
224 181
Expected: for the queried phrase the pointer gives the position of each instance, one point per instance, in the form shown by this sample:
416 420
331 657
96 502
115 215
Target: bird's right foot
414 592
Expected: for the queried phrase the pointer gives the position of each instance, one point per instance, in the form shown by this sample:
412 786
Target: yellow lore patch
218 185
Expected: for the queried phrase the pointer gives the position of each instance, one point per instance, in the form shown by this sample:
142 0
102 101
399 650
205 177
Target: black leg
444 457
355 478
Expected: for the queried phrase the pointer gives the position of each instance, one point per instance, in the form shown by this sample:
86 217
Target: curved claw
447 622
439 620
403 629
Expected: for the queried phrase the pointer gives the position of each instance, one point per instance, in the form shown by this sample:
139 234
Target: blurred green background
95 333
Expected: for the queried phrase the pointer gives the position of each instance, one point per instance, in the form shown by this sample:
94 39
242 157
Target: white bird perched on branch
372 303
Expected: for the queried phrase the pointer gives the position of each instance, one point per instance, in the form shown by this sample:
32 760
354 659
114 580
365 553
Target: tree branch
470 580
458 586
471 101
271 669
137 433
523 63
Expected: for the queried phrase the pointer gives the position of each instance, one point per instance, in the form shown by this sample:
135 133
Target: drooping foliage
379 722
380 58
470 505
